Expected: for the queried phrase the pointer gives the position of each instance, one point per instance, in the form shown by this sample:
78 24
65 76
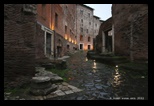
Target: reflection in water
86 59
94 67
117 76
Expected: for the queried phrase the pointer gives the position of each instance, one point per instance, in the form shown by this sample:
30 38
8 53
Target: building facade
56 30
87 27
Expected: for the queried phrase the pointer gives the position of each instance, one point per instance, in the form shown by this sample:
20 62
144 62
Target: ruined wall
39 44
131 30
105 26
19 47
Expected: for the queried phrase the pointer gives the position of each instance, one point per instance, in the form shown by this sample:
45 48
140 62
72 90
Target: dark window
88 47
81 29
56 20
81 37
81 46
68 46
89 23
88 39
81 12
81 20
65 29
89 15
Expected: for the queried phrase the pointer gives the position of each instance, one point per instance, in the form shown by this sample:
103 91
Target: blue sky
101 10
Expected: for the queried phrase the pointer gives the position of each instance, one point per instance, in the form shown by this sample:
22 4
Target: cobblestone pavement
102 82
93 78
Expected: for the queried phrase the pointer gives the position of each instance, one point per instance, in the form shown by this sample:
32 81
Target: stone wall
105 26
131 30
19 47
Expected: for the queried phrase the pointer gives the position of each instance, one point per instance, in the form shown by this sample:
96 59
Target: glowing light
117 76
52 26
85 48
66 37
86 59
94 67
70 39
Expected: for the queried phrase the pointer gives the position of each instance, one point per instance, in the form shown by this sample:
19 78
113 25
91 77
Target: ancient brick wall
131 29
39 43
19 47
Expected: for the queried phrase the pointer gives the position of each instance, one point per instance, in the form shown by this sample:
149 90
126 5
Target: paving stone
89 84
64 83
80 98
72 87
92 89
97 80
52 95
68 92
59 93
22 99
65 88
7 93
76 90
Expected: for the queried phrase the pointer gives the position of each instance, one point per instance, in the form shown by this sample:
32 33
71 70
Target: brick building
65 38
19 46
131 30
56 30
87 27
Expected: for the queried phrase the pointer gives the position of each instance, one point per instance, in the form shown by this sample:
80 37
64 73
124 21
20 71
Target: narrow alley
67 52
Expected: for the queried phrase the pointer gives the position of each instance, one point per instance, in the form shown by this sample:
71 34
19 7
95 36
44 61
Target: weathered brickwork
131 30
19 47
39 44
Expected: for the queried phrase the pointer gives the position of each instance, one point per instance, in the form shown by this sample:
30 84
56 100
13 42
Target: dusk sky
101 10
